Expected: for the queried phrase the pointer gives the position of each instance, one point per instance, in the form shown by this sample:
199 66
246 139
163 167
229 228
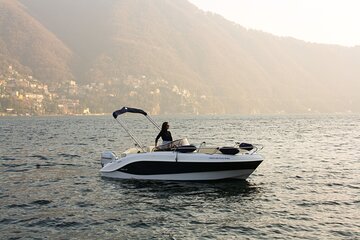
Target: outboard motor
107 157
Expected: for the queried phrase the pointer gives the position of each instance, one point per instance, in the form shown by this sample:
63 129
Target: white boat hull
196 176
180 166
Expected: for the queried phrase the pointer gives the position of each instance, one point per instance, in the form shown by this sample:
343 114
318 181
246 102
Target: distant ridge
170 56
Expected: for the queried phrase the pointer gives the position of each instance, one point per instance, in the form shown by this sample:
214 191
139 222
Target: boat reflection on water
168 189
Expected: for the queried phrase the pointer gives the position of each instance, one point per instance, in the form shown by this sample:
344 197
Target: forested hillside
168 56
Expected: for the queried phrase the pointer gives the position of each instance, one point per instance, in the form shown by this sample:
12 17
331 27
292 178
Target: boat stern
107 157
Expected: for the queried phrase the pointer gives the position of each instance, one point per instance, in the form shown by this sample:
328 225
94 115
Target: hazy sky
322 21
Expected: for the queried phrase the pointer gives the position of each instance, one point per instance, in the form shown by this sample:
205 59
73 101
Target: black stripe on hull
157 167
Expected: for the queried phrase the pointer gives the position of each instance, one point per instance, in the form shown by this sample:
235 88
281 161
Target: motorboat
179 160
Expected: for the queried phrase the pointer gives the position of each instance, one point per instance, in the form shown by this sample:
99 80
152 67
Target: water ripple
307 188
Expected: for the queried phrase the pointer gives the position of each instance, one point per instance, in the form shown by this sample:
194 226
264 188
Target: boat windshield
174 144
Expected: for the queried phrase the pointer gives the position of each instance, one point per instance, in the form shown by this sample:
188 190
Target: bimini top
127 109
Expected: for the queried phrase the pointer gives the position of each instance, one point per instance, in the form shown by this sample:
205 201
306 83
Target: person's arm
157 138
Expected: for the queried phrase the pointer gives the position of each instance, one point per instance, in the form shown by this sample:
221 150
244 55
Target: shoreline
51 115
185 114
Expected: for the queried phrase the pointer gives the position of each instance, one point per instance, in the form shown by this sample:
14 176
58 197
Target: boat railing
179 146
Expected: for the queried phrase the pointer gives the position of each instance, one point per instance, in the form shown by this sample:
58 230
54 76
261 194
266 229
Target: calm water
307 188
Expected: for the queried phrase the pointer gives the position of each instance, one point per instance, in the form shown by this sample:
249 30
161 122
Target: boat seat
186 149
209 150
246 146
132 151
229 150
150 148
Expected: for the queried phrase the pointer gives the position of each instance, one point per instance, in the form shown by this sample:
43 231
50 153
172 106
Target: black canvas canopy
127 109
133 110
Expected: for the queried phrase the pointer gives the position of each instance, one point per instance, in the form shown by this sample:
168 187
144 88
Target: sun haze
320 21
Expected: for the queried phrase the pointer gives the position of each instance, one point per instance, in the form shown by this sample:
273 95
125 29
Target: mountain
27 44
169 56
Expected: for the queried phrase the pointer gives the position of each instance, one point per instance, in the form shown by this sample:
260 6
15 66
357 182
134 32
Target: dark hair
163 126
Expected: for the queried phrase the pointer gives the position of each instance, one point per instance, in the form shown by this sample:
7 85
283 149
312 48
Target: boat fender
246 146
229 150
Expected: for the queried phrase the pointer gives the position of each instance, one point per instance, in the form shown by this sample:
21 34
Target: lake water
308 187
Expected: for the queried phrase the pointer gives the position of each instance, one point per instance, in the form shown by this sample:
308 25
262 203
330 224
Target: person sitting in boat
165 134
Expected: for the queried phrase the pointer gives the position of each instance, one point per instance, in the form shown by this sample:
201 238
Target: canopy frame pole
133 110
131 135
153 122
